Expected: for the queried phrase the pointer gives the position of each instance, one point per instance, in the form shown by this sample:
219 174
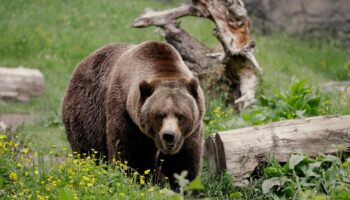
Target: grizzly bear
137 103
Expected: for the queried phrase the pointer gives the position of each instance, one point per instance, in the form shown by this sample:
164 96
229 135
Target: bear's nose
168 136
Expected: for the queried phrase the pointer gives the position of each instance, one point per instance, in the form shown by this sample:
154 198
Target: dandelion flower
13 176
147 171
142 180
25 150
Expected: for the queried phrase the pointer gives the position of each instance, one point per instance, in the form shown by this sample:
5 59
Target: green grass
25 174
54 36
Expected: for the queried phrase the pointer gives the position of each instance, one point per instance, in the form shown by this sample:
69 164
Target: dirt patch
15 119
340 86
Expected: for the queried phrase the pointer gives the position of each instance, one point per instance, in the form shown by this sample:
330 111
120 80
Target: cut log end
20 83
215 154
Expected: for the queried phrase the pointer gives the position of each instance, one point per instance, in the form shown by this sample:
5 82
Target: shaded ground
16 119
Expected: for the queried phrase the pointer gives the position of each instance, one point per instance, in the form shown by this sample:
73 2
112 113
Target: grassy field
54 36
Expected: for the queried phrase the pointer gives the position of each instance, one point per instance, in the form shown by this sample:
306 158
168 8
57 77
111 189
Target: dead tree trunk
238 76
20 83
240 151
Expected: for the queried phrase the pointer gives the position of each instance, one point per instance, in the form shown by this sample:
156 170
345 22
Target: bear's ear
146 89
192 86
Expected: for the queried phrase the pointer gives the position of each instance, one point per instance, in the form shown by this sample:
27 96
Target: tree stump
241 151
20 83
236 67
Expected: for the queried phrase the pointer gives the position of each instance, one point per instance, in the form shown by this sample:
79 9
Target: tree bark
239 77
20 83
241 151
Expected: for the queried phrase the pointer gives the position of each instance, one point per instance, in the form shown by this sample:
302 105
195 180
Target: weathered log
20 83
232 30
241 151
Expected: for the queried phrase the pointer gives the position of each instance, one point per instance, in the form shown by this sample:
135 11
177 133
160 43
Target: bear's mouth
171 148
168 147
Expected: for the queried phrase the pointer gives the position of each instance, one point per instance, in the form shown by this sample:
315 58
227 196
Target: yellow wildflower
142 180
3 136
147 171
13 176
25 150
151 189
86 178
125 167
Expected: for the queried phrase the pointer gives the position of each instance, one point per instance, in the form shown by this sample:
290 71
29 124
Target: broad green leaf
65 194
310 172
286 168
270 183
346 164
332 159
294 160
196 184
273 171
235 195
289 191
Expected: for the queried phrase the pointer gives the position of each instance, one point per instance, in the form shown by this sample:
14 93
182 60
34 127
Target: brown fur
123 98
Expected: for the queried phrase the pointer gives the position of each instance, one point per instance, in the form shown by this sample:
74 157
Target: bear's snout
169 137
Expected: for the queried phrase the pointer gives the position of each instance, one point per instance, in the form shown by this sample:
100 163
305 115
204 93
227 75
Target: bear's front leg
113 139
188 159
126 143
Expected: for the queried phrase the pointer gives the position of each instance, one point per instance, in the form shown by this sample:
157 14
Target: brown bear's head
169 112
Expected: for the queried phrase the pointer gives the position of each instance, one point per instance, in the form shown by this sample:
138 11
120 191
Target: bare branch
162 18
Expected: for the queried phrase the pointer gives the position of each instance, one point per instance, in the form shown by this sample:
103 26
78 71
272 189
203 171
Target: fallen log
239 152
20 83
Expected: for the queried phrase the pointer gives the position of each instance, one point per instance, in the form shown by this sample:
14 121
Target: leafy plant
300 100
302 177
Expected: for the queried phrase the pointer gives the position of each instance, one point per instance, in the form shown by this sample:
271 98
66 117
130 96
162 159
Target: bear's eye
160 115
180 117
